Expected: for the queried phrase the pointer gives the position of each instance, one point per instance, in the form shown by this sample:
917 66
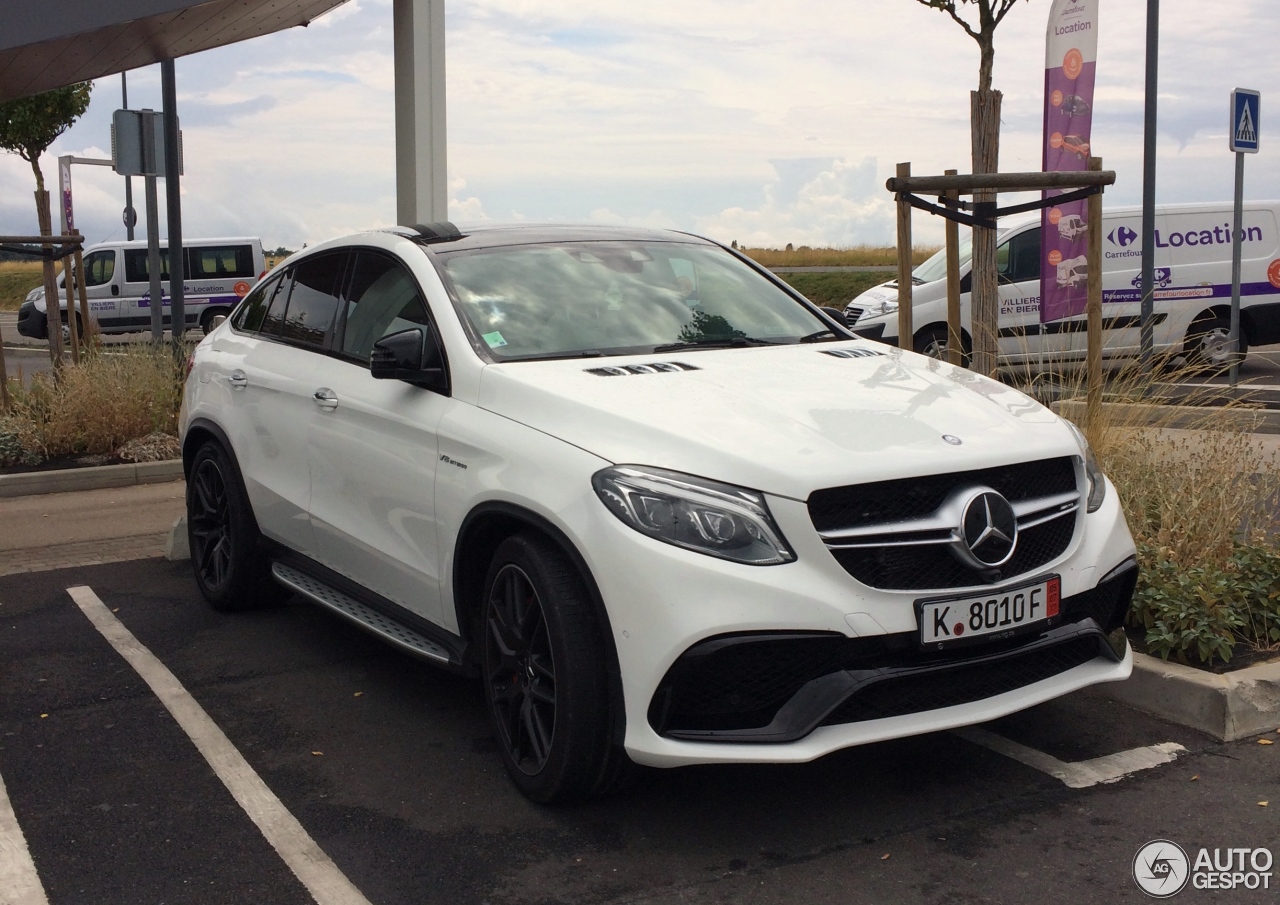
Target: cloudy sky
761 122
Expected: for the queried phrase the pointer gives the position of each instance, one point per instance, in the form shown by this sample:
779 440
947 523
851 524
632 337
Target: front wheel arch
482 532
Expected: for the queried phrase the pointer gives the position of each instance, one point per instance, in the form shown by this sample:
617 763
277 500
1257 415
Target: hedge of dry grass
857 256
1200 497
93 408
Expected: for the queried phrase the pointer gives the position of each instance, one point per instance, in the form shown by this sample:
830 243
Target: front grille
852 314
883 560
963 683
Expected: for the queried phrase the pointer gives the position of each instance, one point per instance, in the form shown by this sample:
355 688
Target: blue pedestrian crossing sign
1244 120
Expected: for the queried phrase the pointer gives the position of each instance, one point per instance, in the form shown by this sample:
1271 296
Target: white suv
667 510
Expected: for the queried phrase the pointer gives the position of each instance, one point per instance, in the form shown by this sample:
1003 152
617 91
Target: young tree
28 126
984 131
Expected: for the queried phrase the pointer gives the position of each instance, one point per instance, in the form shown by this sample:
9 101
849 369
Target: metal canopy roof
46 44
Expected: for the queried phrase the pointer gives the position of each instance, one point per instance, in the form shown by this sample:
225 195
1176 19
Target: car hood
785 420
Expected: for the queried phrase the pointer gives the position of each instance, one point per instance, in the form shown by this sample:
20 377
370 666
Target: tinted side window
254 308
136 267
99 267
312 303
275 311
213 261
1018 260
383 299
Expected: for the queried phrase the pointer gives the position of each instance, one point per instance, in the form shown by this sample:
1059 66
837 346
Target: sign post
1243 139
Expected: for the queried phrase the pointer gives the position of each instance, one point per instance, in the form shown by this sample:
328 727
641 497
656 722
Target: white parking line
1080 775
19 882
327 884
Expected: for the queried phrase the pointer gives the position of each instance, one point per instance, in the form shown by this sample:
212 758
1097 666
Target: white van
217 274
1192 294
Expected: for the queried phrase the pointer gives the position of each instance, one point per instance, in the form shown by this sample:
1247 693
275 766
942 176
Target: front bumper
664 602
762 688
32 322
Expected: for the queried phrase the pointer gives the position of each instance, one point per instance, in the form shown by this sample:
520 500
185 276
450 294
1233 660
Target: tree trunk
52 303
985 301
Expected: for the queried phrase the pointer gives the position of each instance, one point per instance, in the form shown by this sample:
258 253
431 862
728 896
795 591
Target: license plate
989 616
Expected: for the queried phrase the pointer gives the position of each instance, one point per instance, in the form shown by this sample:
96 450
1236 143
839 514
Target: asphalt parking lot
387 767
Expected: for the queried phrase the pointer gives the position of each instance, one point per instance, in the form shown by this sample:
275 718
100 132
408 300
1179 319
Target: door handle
326 398
238 379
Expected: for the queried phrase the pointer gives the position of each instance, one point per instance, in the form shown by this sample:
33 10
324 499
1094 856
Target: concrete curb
1228 707
65 479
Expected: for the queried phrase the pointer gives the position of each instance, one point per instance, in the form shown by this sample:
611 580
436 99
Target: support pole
1149 187
422 190
129 219
173 203
4 378
955 340
156 296
85 324
1237 241
70 278
906 332
1093 406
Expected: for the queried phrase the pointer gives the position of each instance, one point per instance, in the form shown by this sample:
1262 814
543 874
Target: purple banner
1071 51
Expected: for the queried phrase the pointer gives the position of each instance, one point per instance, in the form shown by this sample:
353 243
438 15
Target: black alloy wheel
209 524
545 672
231 569
521 670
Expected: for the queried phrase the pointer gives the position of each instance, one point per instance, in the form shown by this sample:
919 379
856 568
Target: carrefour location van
217 274
1192 298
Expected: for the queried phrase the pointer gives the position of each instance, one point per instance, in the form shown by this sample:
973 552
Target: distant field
859 256
17 278
834 289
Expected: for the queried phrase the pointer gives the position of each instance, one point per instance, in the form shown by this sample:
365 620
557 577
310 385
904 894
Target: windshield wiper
819 334
710 342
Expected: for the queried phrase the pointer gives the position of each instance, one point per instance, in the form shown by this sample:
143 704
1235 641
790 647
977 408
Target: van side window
312 302
213 261
137 265
254 308
383 299
99 267
1018 260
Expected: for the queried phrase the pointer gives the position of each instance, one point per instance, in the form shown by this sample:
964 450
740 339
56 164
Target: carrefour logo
1124 237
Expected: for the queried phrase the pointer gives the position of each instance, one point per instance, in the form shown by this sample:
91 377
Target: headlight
717 519
880 309
1092 471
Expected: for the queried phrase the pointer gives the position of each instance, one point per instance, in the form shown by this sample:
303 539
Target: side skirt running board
369 619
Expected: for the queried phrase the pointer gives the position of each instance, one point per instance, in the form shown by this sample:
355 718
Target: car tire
231 569
545 675
1208 344
933 342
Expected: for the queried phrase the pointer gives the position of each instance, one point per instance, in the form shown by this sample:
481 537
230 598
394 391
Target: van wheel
66 329
933 342
545 676
1208 344
206 319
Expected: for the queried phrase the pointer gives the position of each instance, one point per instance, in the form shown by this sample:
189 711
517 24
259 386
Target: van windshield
936 267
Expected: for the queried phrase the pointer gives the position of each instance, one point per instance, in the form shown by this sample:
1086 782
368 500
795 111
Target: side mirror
218 321
836 315
412 356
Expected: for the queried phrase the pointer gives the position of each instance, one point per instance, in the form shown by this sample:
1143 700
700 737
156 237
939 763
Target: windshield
613 298
935 268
